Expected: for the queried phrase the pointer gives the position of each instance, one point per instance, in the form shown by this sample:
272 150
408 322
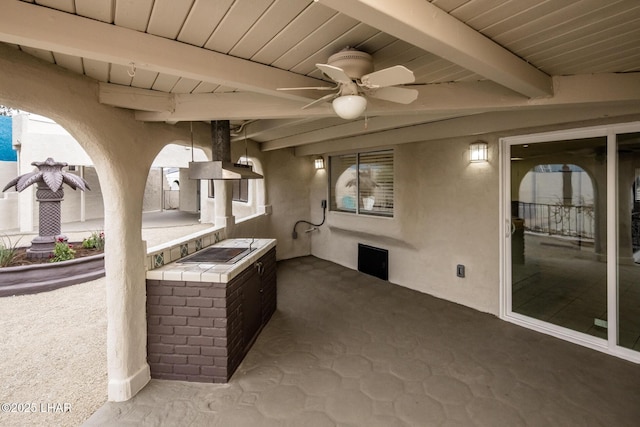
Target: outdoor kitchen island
205 310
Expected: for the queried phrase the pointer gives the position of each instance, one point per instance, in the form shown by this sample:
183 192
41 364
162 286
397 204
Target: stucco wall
8 171
253 226
446 213
39 137
8 200
188 192
72 204
94 206
153 191
287 186
9 210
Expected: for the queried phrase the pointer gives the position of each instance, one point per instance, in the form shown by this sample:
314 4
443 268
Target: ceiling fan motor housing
354 63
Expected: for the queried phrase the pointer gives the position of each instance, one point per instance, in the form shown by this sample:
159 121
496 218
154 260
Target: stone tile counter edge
212 272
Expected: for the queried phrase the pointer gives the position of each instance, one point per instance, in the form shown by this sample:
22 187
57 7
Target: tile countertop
214 272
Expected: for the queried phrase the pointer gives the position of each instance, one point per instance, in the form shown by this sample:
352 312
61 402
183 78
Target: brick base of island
201 330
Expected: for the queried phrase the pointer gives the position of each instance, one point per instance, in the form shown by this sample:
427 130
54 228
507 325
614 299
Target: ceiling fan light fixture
350 106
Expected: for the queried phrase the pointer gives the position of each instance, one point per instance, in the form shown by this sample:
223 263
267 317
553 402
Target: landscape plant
95 241
8 251
62 251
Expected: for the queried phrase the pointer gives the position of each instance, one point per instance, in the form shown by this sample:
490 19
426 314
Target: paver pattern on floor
347 349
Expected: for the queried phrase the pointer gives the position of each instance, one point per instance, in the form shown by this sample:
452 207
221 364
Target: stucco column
123 170
122 150
127 366
224 205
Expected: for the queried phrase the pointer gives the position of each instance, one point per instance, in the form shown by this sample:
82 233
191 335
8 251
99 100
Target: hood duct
221 166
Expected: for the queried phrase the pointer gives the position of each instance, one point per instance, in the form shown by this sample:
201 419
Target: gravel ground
53 349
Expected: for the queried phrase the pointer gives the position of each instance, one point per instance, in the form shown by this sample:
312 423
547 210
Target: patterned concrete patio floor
346 349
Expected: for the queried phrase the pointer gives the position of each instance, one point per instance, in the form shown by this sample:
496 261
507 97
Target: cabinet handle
260 268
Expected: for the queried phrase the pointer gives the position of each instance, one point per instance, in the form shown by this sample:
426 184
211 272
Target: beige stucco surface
36 138
8 201
287 187
447 211
122 151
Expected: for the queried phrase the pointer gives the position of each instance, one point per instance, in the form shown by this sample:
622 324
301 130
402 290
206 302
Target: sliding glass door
558 199
628 290
572 236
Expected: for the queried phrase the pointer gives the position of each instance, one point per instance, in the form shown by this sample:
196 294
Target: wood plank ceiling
226 57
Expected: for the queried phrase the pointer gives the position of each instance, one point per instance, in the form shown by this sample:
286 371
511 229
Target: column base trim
122 390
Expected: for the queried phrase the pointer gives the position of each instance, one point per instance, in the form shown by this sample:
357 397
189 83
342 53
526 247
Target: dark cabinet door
251 308
269 292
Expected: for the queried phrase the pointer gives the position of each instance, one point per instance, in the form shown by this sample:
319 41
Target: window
239 188
239 192
362 183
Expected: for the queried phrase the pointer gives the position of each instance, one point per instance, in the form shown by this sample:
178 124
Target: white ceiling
181 60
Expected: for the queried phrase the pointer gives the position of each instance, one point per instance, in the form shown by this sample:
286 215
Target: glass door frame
610 345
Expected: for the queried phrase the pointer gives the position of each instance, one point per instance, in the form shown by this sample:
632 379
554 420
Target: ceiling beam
491 122
233 106
457 98
134 98
258 128
351 128
426 26
39 27
433 99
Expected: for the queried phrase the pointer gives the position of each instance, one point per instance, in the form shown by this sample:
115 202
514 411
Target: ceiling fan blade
320 100
309 88
391 76
395 94
335 73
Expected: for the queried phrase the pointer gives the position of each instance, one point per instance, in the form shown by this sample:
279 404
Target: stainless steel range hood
221 167
221 170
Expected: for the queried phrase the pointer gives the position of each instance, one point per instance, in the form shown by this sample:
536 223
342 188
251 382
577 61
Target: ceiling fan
352 70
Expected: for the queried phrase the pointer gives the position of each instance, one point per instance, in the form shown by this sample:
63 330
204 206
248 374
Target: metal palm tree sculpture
49 176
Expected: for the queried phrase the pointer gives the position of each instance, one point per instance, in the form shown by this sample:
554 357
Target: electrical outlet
460 270
324 204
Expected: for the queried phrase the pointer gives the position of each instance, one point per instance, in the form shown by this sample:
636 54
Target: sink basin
216 255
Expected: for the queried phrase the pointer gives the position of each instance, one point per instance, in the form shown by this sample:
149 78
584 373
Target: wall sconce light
478 152
319 163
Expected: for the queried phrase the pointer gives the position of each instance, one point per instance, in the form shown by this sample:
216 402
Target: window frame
240 188
359 206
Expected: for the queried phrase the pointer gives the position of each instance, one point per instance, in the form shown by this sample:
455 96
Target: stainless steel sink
217 255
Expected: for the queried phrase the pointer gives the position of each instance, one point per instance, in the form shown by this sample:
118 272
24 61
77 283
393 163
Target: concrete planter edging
31 279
